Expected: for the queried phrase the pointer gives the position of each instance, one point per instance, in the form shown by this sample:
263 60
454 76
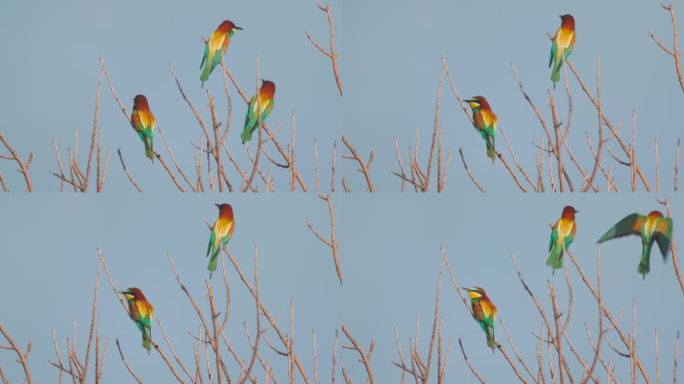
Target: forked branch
331 53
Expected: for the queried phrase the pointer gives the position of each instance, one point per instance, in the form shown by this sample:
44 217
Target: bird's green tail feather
246 134
555 74
205 72
491 343
645 261
555 261
491 151
149 149
147 338
213 262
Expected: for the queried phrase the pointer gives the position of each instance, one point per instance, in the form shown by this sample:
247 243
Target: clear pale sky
389 55
389 250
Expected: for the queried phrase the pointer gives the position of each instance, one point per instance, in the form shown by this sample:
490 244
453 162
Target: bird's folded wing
663 235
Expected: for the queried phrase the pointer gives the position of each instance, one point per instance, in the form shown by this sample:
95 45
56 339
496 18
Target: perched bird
221 233
563 43
143 122
562 234
484 120
484 312
141 312
266 93
216 47
651 228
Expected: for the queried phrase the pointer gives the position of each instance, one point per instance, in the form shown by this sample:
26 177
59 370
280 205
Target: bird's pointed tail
213 262
555 260
246 135
645 261
491 343
491 150
555 73
149 149
147 338
205 73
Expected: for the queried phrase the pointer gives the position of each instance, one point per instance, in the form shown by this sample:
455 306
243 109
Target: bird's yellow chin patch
128 296
473 105
474 295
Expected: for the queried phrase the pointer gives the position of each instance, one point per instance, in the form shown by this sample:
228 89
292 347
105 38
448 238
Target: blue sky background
389 250
389 55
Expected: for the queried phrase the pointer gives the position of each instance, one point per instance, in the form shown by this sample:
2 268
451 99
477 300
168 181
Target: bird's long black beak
561 16
238 28
123 292
218 205
463 288
469 100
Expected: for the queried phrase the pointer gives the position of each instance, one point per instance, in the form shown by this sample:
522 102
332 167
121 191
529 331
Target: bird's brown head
140 102
569 212
478 102
228 26
655 214
133 293
567 21
267 88
225 210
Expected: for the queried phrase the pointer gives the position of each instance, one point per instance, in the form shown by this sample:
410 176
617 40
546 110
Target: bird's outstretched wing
630 225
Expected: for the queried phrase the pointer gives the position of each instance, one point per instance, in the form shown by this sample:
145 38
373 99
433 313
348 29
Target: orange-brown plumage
221 233
143 122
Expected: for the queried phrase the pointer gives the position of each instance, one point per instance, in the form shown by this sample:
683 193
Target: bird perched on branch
143 122
221 232
652 228
484 312
216 47
562 45
141 312
484 121
264 99
562 235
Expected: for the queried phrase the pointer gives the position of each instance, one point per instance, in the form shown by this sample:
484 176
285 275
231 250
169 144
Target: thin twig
128 366
364 167
332 53
472 369
674 52
465 165
130 177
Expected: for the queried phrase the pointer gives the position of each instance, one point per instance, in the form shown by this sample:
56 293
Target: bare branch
364 167
128 366
365 357
331 242
472 369
674 52
332 53
465 165
23 167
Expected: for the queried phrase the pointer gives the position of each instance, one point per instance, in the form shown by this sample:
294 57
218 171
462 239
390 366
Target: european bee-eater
143 122
484 312
651 228
563 43
562 235
221 232
141 312
484 120
266 93
216 47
